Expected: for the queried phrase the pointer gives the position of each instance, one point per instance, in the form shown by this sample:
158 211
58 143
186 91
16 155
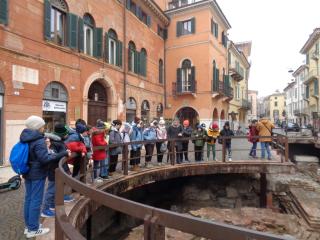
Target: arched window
187 76
55 91
159 110
160 71
132 57
143 62
55 14
112 45
88 29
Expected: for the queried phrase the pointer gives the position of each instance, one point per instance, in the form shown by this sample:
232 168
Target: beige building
253 100
239 68
275 107
311 51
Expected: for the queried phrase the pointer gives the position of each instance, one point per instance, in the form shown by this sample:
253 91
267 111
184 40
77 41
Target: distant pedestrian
174 132
228 133
161 135
253 138
150 134
114 138
186 133
39 158
211 136
200 134
136 136
264 127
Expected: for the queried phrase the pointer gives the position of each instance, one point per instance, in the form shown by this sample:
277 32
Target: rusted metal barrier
155 219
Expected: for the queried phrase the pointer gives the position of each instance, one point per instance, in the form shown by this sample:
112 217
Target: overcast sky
278 29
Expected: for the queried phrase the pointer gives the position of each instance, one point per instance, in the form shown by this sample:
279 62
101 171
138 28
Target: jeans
211 147
265 146
135 156
253 151
101 166
198 153
159 153
113 163
49 196
32 203
228 149
185 151
149 152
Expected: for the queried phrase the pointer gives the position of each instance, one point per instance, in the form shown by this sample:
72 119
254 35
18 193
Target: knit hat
60 130
186 123
100 124
214 126
80 128
136 120
227 124
34 123
154 123
162 122
107 125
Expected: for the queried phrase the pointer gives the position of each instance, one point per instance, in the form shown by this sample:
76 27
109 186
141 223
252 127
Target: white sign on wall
54 106
24 74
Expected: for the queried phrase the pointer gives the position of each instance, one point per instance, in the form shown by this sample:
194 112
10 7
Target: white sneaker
230 160
39 232
26 229
98 180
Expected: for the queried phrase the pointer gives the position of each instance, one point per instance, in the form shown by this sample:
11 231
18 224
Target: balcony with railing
315 55
312 75
245 104
236 71
225 91
181 3
184 89
301 112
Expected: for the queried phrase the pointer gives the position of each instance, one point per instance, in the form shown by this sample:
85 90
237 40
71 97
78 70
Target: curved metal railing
155 219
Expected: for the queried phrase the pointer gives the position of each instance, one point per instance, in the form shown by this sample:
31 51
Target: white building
291 94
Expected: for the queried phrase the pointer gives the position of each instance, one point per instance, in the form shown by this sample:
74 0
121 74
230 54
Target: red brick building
67 59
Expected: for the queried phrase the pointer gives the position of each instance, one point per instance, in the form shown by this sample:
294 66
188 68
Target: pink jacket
161 133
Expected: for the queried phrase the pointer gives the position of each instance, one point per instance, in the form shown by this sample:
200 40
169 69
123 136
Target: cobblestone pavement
11 208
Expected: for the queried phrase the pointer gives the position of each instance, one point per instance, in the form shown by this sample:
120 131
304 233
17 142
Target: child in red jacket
99 156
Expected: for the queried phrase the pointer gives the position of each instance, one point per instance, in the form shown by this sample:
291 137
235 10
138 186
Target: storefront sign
53 106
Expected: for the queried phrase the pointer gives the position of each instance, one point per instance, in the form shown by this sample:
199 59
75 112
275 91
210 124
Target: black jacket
226 133
173 133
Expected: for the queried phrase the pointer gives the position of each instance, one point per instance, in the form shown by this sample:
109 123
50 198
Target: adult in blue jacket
39 158
136 135
150 133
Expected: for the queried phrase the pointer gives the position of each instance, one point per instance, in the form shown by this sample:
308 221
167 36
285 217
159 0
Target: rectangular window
4 12
162 32
186 27
276 104
214 28
55 92
307 58
57 26
112 51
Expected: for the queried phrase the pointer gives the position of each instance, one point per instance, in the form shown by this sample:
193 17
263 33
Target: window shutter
119 54
193 79
138 10
47 20
81 35
136 62
128 4
179 82
106 47
4 12
165 34
97 42
216 33
212 26
129 60
72 31
316 87
193 25
179 28
149 21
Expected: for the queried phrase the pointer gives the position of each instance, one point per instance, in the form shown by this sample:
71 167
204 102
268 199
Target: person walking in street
99 157
161 135
55 145
264 127
186 133
114 138
200 134
136 136
253 134
211 136
174 132
35 178
227 132
150 133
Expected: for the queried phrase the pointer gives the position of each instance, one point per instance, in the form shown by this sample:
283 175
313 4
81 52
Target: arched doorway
188 113
159 110
215 115
131 109
1 121
97 103
145 111
222 115
54 105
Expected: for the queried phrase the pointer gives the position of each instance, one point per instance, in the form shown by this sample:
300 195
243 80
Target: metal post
59 185
173 152
89 228
125 160
223 150
83 166
286 153
263 190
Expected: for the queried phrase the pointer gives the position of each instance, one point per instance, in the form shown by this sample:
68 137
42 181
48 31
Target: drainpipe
164 75
124 55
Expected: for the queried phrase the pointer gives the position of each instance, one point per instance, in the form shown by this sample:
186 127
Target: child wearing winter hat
212 134
227 132
200 134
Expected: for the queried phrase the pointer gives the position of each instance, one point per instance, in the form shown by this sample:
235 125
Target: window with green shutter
143 62
119 54
131 56
316 87
97 42
81 35
128 4
193 25
72 30
160 71
88 34
216 30
179 81
179 29
136 62
4 12
111 47
149 21
186 27
215 77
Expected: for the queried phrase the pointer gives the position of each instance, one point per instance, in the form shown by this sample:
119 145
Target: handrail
154 218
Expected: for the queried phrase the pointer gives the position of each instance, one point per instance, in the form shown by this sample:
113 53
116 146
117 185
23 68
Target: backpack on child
19 157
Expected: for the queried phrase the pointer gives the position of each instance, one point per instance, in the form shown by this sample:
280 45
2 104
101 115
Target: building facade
254 103
275 107
311 52
291 94
239 68
79 61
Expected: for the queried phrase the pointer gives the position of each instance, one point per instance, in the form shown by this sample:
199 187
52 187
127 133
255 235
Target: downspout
124 56
164 75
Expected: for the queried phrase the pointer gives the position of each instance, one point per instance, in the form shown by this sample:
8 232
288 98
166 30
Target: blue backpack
19 157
